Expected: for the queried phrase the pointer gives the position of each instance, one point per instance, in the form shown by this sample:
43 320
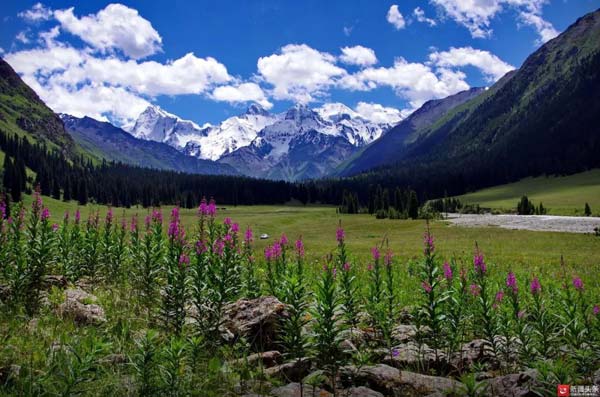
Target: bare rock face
514 385
82 308
257 320
475 351
361 391
52 280
393 382
410 355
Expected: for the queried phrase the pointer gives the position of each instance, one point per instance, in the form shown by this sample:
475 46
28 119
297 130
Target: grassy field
564 195
317 225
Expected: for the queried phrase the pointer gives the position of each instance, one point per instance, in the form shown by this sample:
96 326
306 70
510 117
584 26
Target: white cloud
299 72
1 50
544 28
490 65
358 55
348 30
115 27
476 15
22 37
414 81
395 17
420 15
378 113
37 13
245 92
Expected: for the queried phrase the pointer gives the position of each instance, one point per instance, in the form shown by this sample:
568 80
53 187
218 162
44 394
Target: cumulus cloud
476 15
358 55
395 17
420 16
414 81
245 92
378 113
116 27
37 13
299 72
544 28
22 37
490 65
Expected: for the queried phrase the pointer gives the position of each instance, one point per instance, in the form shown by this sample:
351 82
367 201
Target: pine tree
587 211
413 205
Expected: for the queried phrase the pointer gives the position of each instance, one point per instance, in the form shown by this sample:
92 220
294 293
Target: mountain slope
23 113
111 143
390 147
543 119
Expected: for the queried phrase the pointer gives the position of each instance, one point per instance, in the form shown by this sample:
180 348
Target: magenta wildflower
175 231
479 263
184 260
200 247
55 227
375 253
268 253
134 223
334 271
2 208
387 259
211 209
203 208
77 216
109 215
596 310
346 267
475 289
300 248
66 216
447 271
340 235
218 247
37 204
395 352
499 296
45 214
148 221
535 286
276 250
227 222
511 282
428 241
248 236
283 240
370 267
235 228
578 283
426 286
157 216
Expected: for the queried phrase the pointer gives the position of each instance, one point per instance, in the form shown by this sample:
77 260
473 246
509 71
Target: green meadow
561 195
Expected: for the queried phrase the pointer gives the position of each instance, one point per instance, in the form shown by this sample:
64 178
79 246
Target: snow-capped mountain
155 124
232 134
299 143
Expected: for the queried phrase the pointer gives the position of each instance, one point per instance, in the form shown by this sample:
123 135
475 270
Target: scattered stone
409 355
291 371
391 381
4 293
55 280
82 308
514 385
597 378
115 359
476 351
360 391
297 390
268 359
404 333
256 320
9 372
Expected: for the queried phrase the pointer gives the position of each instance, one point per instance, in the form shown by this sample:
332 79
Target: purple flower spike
447 271
578 284
535 286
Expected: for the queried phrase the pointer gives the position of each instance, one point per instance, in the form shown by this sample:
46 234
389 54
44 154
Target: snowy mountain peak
336 111
300 112
256 110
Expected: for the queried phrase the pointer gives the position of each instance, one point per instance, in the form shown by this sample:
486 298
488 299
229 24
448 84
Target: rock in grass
256 320
393 382
514 385
296 390
411 356
291 371
360 391
267 359
82 308
55 280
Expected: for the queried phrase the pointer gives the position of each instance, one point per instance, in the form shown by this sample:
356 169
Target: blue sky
207 60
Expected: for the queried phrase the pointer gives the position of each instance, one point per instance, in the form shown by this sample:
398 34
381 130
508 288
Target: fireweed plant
163 272
348 285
